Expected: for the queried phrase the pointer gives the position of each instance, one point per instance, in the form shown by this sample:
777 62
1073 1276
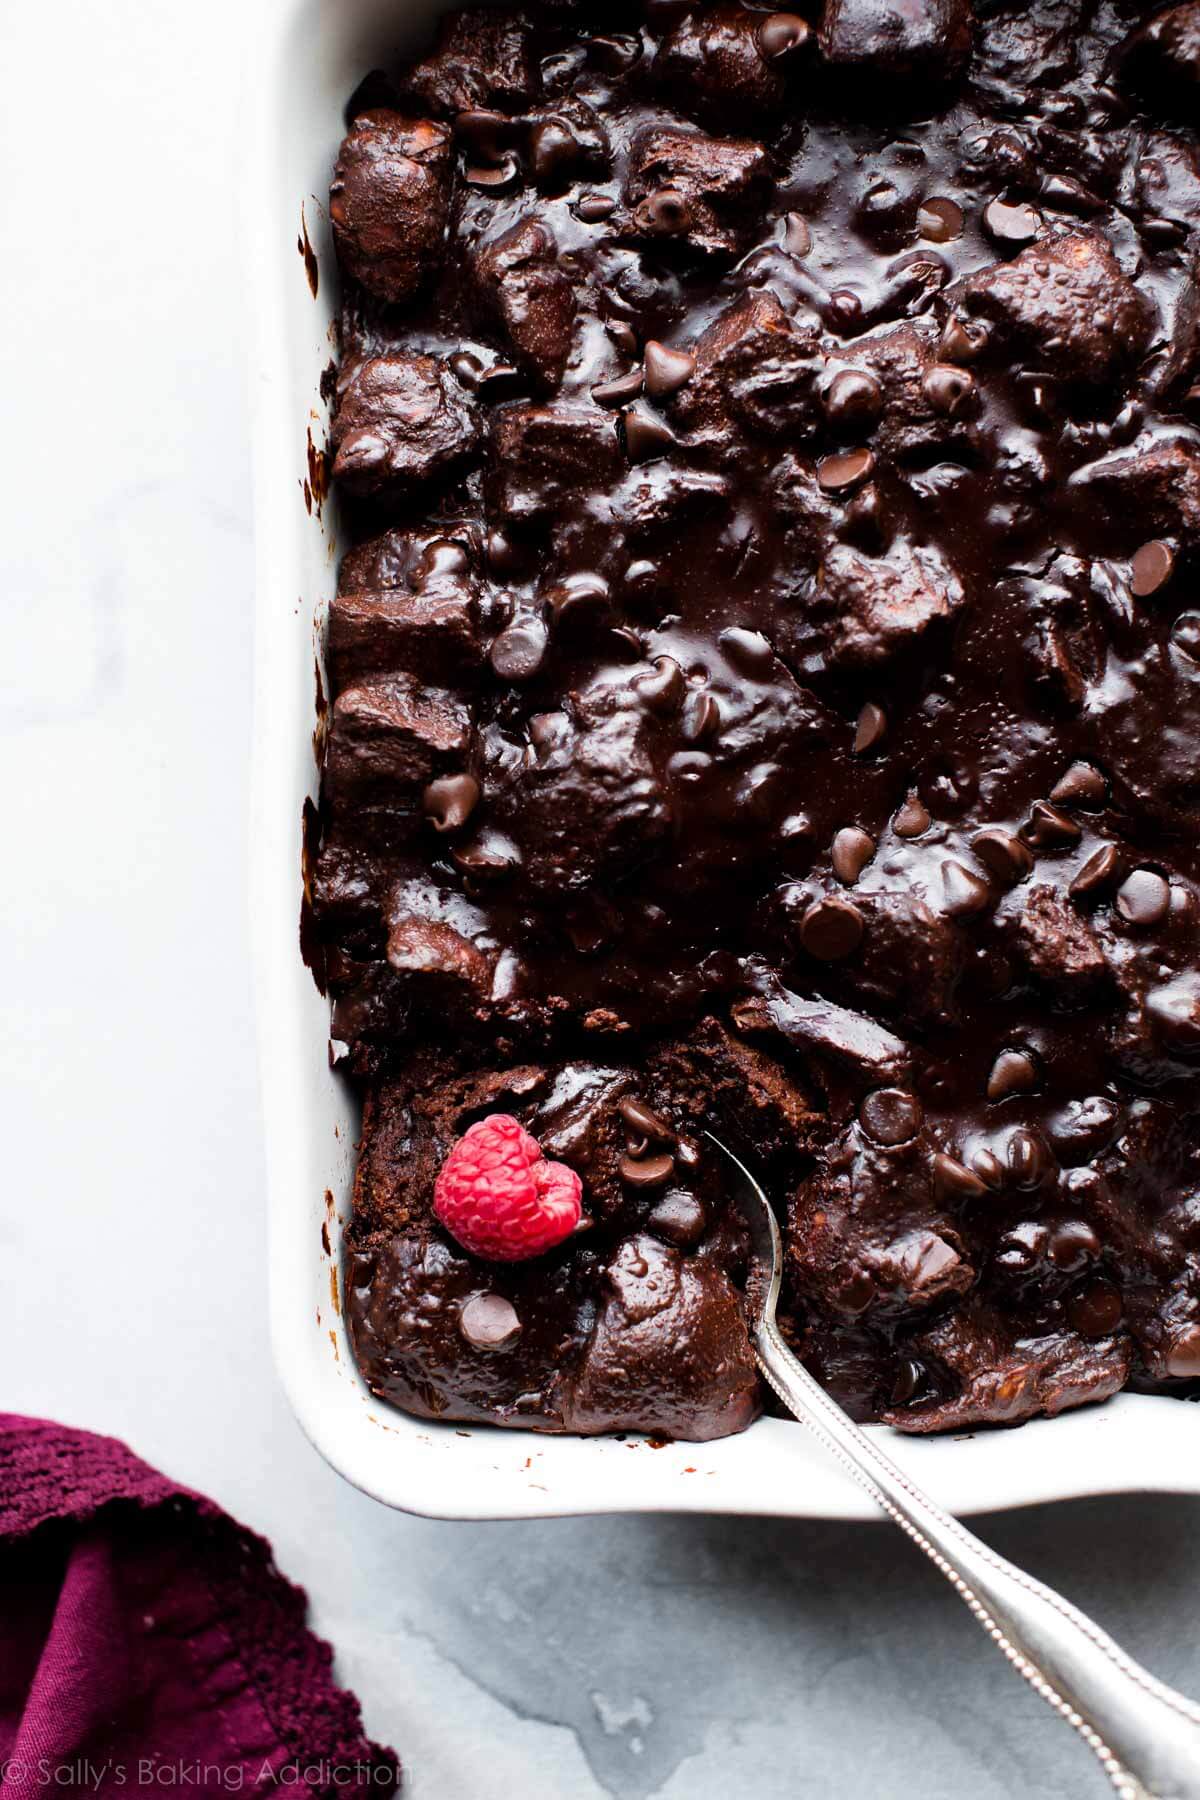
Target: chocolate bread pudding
765 700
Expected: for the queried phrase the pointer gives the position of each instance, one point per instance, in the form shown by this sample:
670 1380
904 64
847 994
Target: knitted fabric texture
147 1640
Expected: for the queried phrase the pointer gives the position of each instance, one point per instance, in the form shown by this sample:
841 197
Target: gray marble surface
560 1661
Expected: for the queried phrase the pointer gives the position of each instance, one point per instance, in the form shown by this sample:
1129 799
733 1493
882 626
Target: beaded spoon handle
1145 1735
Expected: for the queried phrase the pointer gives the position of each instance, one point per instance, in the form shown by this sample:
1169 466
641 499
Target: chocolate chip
620 389
690 768
678 1218
590 209
907 1379
519 651
1020 1250
493 177
940 220
1082 785
1185 635
1144 897
843 310
1183 1353
852 851
953 1182
989 1168
870 730
441 556
962 340
866 520
963 892
914 278
643 583
553 151
1083 1128
1012 226
912 818
450 800
580 595
780 34
831 929
839 474
504 555
1151 568
1096 1311
797 237
639 1118
1065 193
646 435
891 1116
1048 829
949 389
1013 1072
667 370
485 133
466 368
663 691
687 1154
1029 1159
498 381
749 650
1003 855
1100 870
853 398
646 1171
760 792
1072 1245
625 643
489 1322
701 716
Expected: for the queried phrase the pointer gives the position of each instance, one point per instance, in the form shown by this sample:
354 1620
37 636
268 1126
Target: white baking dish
308 56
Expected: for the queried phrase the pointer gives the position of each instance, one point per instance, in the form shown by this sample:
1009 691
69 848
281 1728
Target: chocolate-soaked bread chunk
400 420
725 63
764 698
687 189
484 57
895 39
521 281
389 201
1066 303
1162 60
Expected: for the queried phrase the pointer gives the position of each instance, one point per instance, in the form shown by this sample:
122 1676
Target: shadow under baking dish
305 57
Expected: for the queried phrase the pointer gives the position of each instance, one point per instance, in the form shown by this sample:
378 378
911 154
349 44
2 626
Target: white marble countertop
562 1661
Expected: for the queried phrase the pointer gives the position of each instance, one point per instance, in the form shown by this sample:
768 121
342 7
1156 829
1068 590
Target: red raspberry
500 1198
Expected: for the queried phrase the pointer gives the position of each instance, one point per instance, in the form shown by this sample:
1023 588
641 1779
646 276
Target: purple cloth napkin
148 1642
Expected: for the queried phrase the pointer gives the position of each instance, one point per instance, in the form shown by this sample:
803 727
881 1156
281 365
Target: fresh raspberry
500 1198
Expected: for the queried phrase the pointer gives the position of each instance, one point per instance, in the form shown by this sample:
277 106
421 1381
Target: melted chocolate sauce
773 604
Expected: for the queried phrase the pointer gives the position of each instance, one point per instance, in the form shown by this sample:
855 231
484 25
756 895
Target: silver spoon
1145 1735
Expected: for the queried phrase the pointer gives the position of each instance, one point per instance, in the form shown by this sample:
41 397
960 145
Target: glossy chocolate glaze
774 603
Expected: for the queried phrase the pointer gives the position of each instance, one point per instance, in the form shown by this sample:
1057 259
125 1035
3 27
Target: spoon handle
1145 1735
